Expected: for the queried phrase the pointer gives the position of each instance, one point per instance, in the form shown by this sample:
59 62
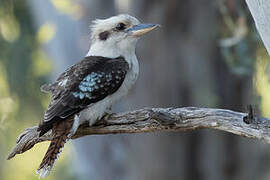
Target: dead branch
160 119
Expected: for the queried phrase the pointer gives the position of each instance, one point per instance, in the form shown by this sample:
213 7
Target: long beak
141 29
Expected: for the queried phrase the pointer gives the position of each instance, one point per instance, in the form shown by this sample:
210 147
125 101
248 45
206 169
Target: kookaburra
86 91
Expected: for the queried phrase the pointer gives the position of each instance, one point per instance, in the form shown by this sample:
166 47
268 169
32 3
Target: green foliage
24 66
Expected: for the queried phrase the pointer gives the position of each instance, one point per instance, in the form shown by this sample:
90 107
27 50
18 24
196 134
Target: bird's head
116 35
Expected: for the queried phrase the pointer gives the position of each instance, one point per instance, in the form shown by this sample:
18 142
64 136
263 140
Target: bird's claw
107 116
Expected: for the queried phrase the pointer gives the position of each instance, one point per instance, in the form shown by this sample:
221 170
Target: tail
61 133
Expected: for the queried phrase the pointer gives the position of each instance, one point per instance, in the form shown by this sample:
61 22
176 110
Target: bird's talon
108 116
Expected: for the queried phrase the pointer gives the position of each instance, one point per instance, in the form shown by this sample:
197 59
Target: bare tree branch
160 119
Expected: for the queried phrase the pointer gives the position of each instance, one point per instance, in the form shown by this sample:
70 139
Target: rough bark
160 119
261 15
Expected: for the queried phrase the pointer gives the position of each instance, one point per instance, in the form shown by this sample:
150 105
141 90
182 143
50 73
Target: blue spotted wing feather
84 83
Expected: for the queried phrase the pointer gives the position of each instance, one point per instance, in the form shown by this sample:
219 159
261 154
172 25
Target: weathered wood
261 15
160 119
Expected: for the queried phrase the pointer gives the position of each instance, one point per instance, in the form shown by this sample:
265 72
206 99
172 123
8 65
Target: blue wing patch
88 85
98 84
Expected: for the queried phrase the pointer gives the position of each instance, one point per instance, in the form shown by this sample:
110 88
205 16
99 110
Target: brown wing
86 82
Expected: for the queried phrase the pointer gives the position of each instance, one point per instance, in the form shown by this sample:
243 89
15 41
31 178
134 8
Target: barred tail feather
51 155
61 133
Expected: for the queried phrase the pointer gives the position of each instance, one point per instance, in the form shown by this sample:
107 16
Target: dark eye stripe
104 35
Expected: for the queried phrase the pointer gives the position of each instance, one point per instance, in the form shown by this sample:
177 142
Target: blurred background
207 54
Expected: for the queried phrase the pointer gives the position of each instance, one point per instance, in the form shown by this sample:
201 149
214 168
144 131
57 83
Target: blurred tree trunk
181 70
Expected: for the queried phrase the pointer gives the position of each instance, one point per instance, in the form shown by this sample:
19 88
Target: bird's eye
120 26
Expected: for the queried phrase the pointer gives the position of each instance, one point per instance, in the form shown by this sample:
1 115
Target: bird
86 91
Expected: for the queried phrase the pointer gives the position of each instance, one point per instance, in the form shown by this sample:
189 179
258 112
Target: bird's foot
107 116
